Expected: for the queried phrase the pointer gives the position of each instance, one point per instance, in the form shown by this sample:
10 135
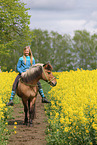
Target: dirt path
26 135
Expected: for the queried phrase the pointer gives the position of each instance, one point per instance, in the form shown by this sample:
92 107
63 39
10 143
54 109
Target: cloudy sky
63 16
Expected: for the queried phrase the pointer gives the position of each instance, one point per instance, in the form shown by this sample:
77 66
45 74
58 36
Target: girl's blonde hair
30 54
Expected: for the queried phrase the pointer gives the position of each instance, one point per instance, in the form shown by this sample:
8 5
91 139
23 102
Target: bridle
46 76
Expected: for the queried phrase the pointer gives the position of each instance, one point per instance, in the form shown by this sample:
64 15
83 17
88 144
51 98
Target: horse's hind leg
26 111
31 105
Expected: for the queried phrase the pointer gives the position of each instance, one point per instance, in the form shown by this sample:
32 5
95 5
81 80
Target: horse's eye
48 72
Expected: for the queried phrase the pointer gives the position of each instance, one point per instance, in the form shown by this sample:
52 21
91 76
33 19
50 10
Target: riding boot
10 103
44 100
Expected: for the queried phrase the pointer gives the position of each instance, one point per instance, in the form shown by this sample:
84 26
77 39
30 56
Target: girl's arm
19 66
33 61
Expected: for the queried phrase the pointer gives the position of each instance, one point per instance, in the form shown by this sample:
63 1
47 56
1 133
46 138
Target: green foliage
40 45
52 47
85 46
4 131
46 87
62 51
14 32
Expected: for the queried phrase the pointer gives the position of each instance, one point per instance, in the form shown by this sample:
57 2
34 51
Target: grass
46 87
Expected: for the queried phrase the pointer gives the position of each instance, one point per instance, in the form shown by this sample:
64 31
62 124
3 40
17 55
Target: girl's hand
22 74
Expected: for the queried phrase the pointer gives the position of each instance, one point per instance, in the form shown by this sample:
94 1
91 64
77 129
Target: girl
23 64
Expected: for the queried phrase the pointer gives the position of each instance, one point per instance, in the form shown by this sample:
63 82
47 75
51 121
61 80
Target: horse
27 88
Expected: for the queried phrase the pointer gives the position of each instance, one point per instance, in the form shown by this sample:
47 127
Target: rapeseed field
6 81
73 111
72 115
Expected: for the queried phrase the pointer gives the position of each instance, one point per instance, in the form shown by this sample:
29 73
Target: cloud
93 15
63 16
60 4
53 21
50 4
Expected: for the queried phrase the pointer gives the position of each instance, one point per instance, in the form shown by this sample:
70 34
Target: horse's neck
34 81
32 76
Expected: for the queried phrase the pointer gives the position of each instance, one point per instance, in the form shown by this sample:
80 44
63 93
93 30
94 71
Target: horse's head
47 74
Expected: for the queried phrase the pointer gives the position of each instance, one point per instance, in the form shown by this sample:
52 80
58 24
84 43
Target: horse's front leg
26 111
31 110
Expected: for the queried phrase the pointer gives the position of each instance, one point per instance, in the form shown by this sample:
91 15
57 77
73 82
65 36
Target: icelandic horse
27 88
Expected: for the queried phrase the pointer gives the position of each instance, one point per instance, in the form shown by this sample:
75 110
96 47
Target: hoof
31 124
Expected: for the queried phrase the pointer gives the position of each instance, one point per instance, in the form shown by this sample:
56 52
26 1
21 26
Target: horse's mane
32 73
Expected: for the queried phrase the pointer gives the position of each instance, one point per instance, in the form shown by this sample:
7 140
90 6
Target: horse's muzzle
53 84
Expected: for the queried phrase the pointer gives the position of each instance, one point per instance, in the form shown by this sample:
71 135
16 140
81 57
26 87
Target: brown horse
27 88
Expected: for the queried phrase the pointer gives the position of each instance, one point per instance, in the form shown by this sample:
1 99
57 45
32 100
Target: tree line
62 51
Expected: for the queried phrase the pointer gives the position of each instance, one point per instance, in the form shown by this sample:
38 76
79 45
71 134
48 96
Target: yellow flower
15 132
87 131
15 127
6 81
6 123
74 100
15 123
66 129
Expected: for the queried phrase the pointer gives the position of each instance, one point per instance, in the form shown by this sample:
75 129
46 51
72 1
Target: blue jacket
21 66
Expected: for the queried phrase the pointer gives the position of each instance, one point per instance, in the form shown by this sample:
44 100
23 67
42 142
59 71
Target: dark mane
33 73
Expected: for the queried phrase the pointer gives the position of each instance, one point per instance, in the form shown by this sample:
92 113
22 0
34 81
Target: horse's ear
48 66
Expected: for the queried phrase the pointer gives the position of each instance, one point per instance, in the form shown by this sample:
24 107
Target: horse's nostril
55 83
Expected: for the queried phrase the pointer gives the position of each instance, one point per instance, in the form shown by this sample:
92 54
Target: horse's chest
27 91
33 91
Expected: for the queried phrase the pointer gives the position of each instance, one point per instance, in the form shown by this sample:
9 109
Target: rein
27 83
